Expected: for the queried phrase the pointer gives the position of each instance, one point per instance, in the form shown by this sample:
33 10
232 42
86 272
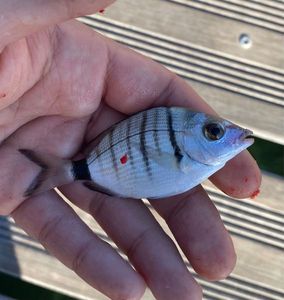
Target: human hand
60 86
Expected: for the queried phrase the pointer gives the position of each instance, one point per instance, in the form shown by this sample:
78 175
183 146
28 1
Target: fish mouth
247 137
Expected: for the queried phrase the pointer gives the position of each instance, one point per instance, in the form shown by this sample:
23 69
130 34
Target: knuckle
48 228
134 246
80 256
97 207
180 209
124 290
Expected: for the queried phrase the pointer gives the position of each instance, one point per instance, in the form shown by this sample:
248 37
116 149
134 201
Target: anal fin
97 188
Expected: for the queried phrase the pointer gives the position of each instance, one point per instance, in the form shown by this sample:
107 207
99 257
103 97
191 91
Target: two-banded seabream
156 153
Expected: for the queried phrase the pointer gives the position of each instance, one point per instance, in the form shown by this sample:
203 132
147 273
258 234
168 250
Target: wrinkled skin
61 84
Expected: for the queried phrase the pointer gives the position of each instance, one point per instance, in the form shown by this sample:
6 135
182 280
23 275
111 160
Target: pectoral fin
168 160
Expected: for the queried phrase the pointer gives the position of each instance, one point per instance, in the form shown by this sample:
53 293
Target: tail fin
54 171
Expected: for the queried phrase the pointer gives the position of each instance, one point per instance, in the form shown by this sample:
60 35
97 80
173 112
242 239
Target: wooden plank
271 192
257 230
235 87
258 234
61 279
257 14
195 22
46 271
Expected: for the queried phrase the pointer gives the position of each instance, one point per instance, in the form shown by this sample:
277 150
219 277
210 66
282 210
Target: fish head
212 140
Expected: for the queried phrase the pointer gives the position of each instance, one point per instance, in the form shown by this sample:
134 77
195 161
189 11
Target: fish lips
247 137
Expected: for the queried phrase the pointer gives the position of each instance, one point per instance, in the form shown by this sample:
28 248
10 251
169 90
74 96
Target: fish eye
213 131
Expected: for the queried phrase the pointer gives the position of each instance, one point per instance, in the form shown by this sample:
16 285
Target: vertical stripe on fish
172 136
143 143
112 152
156 133
128 144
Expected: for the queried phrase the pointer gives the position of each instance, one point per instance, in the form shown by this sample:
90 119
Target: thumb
20 18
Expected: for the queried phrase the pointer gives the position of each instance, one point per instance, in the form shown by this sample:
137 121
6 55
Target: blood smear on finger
255 194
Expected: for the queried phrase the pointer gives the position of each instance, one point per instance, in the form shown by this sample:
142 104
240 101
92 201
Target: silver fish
156 153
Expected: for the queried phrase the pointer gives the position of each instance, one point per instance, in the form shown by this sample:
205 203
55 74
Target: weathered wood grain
238 89
271 193
60 279
257 230
201 27
249 12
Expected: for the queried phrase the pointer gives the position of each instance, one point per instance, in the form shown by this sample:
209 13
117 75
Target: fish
156 153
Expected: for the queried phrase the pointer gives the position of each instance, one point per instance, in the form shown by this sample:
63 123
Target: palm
71 84
52 78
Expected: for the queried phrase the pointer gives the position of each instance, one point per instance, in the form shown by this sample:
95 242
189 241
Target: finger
21 18
240 178
64 235
132 227
199 231
154 85
38 77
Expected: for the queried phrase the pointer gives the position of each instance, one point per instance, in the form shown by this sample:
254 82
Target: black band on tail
81 170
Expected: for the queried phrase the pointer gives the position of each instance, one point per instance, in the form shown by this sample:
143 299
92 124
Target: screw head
245 40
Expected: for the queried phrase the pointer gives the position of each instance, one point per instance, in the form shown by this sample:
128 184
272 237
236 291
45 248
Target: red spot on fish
246 179
232 190
101 11
124 159
3 95
255 194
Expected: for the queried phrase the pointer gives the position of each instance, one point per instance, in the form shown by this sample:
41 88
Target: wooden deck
199 40
257 230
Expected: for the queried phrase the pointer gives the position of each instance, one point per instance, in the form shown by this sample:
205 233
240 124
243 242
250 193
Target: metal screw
245 41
